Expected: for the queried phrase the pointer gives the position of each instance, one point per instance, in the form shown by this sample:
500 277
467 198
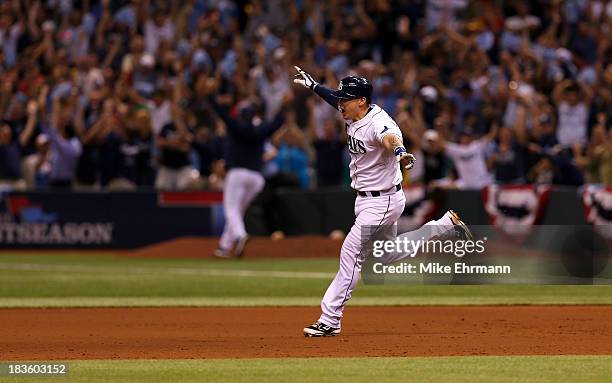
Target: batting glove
406 159
304 79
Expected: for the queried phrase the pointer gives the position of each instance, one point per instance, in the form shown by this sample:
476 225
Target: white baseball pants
370 212
240 188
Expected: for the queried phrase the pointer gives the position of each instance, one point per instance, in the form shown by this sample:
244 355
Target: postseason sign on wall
103 220
53 220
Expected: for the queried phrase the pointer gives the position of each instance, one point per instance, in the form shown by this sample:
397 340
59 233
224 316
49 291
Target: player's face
351 109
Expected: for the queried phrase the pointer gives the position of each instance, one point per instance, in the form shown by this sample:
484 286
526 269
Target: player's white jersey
373 167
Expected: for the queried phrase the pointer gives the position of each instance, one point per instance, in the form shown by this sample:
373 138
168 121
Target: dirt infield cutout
274 332
308 246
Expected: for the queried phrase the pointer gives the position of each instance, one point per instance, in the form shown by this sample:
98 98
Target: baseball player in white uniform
244 147
376 146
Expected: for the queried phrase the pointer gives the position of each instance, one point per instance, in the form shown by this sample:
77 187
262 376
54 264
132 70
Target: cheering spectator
469 157
328 141
130 147
216 178
204 148
42 164
65 145
329 149
507 158
292 157
597 163
28 141
458 63
159 28
98 120
573 110
174 141
466 103
10 172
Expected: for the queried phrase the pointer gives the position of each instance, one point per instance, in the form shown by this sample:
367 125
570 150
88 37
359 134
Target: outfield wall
133 219
322 211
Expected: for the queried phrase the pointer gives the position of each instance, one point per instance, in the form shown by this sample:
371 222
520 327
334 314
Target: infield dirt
273 332
307 246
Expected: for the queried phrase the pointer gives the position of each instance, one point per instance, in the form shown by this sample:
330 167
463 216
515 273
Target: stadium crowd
113 94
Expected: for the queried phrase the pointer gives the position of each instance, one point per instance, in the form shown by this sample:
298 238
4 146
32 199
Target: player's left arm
391 138
306 80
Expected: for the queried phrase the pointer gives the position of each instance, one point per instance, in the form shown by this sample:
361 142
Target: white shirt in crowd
572 125
160 115
372 166
518 23
154 34
470 163
8 42
435 9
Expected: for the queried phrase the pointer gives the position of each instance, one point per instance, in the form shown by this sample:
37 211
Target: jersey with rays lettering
372 167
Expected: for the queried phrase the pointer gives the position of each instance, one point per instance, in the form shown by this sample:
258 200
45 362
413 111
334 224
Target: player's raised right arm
306 80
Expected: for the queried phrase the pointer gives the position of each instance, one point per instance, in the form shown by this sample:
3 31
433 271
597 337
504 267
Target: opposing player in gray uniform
376 146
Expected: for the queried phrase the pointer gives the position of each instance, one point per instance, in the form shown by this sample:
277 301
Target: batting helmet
352 87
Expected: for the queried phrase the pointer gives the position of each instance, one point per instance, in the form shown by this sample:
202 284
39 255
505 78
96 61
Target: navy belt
375 193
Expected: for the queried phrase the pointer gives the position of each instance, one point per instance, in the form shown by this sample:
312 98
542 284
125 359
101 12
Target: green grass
537 369
101 279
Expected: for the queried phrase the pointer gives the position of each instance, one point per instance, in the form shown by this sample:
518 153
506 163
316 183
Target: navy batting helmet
352 87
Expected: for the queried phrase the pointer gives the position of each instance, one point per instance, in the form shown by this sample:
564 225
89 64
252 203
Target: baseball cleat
320 329
460 227
240 244
220 253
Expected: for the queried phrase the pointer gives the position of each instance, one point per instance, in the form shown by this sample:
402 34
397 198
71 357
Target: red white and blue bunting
597 203
514 209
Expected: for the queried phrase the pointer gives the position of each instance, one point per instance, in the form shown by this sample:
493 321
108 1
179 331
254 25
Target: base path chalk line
172 270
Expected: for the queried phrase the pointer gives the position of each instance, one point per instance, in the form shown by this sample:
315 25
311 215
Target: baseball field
172 313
